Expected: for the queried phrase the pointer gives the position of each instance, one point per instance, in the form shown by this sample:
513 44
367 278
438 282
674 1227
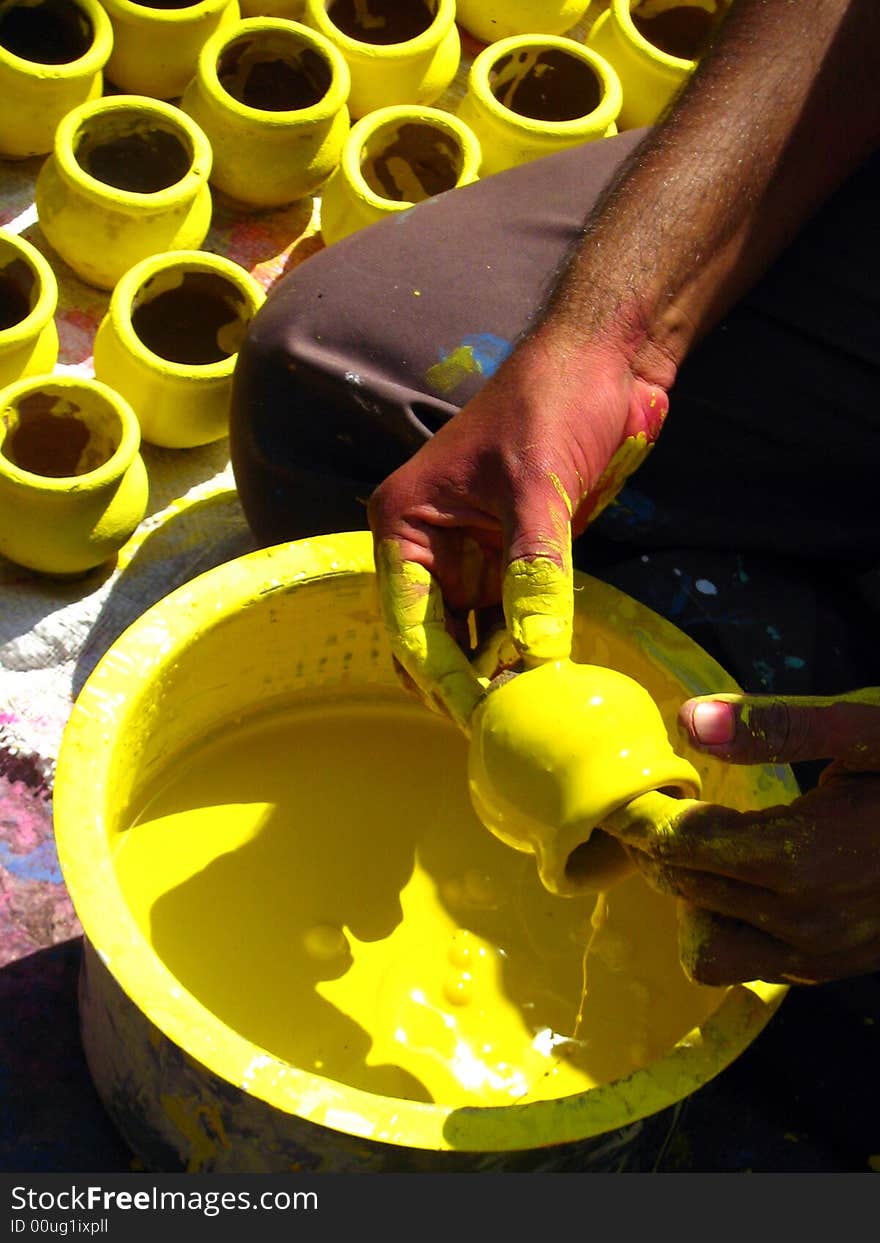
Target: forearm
782 109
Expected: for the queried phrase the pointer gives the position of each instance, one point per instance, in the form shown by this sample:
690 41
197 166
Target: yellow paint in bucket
273 855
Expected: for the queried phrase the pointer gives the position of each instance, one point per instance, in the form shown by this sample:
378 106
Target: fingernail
713 723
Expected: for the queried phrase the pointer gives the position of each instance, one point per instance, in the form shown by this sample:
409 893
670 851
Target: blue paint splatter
40 864
774 633
794 662
488 350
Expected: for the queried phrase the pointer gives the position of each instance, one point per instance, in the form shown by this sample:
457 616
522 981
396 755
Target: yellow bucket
250 812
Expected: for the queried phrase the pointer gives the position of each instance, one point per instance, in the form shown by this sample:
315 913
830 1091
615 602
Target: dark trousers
754 523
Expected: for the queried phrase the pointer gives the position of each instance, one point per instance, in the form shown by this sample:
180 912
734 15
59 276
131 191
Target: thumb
538 593
756 729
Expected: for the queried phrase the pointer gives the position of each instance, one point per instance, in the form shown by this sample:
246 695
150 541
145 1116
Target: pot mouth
119 694
96 41
504 68
440 15
186 312
252 68
27 280
132 150
405 149
63 434
651 10
173 14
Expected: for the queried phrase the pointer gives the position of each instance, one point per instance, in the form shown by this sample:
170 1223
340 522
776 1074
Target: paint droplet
325 941
706 587
458 989
417 293
794 662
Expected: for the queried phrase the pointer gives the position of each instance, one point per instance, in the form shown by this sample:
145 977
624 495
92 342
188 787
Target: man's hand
787 894
484 513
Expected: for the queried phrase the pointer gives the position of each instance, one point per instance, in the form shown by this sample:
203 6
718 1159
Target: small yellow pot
169 341
532 95
652 73
73 486
156 47
491 20
128 178
392 159
554 752
271 96
52 56
28 298
398 51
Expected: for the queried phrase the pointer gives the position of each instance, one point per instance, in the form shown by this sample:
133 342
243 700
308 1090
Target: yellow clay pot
73 486
128 178
532 95
271 96
491 20
652 73
392 159
156 47
169 341
52 56
28 297
398 51
554 752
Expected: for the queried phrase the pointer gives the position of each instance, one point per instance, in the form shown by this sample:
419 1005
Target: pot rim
94 480
620 10
441 24
90 63
115 688
374 122
328 106
143 14
127 287
188 185
598 121
44 309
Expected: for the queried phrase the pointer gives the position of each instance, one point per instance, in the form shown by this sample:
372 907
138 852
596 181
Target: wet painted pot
392 159
491 20
28 298
52 56
156 46
73 486
128 177
398 51
558 749
271 96
169 342
188 1035
532 95
654 46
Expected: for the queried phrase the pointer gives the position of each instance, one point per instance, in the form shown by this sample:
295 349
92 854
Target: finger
754 846
717 951
755 729
538 598
813 925
412 609
537 590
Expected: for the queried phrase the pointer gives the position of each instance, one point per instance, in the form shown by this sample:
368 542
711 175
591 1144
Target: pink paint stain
76 335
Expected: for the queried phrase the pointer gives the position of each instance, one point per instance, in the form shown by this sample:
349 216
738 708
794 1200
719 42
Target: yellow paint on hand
413 613
538 598
317 879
